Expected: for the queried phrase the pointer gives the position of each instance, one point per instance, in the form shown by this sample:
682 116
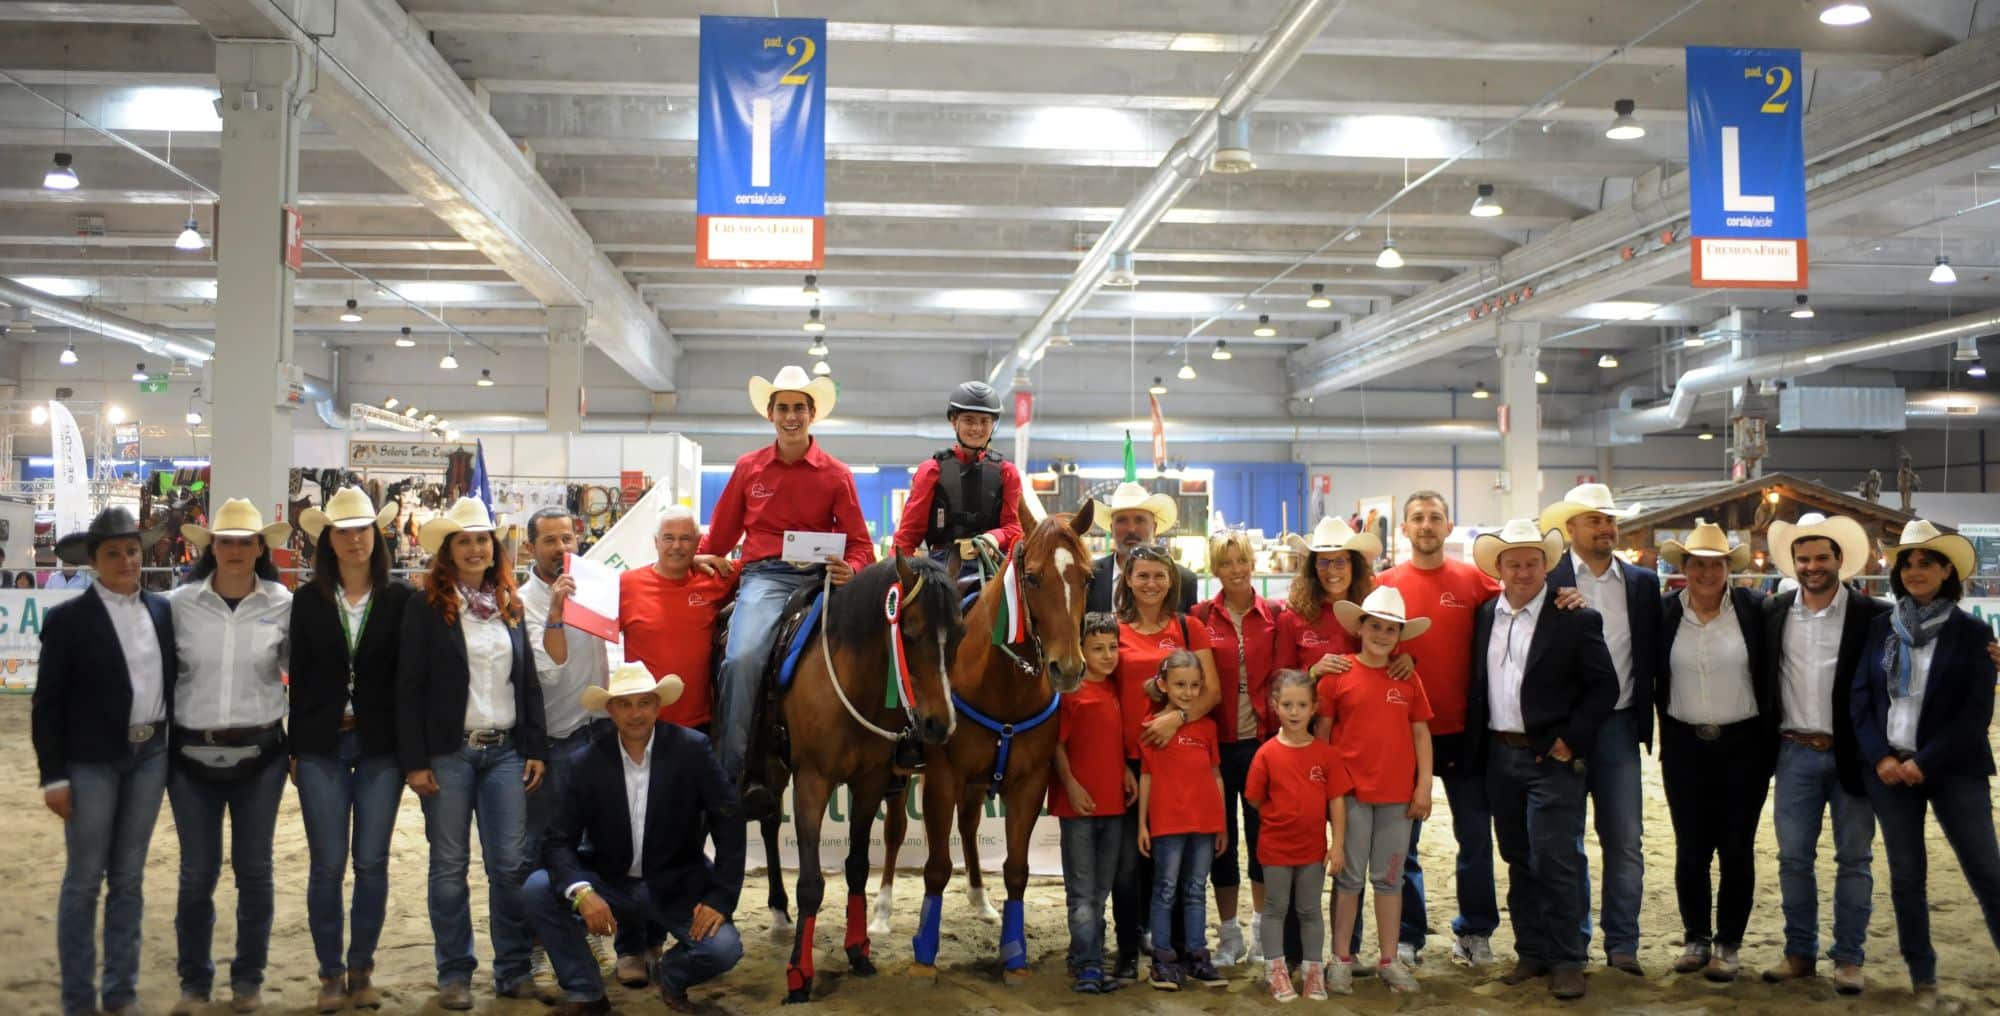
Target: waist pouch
226 763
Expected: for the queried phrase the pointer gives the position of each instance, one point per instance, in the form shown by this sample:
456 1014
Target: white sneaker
1475 951
1397 976
1255 950
1340 977
1408 956
1229 949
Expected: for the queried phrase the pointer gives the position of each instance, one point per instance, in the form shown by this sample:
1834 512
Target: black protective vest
966 501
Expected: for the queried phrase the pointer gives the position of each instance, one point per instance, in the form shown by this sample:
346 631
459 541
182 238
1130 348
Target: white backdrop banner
628 543
72 472
21 613
1044 848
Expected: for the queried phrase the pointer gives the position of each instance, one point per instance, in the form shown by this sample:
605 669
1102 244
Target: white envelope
802 547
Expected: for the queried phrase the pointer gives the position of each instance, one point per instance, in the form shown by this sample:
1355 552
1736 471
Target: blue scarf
1914 627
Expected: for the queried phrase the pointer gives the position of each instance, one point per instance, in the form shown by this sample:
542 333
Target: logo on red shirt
1312 638
1396 697
758 490
697 600
1448 600
1169 644
1317 774
1185 741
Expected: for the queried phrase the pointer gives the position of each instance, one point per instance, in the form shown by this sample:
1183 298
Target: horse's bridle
895 632
1020 562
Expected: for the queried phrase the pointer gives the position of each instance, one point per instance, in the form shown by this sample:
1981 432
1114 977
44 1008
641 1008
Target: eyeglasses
1338 560
1150 554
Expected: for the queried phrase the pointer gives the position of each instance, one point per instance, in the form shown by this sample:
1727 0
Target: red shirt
1372 713
916 521
1301 642
766 496
1258 647
1185 797
1450 596
670 627
1291 788
1087 728
1139 659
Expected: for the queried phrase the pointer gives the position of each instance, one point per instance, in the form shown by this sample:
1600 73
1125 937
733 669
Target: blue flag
482 488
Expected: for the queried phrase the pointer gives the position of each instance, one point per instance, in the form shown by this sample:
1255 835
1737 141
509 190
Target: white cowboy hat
1707 540
1332 534
793 378
633 679
1921 534
1486 550
466 515
1584 497
1133 497
1845 533
238 517
1386 603
348 508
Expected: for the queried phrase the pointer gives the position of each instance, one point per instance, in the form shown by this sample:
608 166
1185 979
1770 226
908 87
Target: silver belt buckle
139 733
1707 731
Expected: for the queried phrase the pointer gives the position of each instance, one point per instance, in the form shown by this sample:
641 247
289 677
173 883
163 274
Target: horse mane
854 611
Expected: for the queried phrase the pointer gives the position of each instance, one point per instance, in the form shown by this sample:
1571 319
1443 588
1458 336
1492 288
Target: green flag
1131 464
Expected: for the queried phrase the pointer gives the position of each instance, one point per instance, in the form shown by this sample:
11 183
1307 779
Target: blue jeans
1807 784
252 803
113 808
547 797
1537 818
485 781
1180 887
1616 804
1964 808
1090 865
632 903
753 628
349 802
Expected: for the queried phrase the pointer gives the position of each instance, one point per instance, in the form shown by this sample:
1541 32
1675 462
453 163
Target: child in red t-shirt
1180 825
1088 799
1296 783
1380 728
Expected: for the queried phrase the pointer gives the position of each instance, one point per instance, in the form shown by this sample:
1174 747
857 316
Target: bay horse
878 667
1006 683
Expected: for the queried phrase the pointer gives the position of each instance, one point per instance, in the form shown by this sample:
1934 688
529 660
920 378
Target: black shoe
1126 967
1200 967
758 802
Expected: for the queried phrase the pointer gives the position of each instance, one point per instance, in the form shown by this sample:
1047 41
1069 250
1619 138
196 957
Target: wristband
576 902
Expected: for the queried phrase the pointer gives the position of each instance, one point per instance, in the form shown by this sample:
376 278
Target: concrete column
262 108
1520 454
565 397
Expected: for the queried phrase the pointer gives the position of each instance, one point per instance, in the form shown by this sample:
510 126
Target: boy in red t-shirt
1296 783
1380 727
1180 825
1088 799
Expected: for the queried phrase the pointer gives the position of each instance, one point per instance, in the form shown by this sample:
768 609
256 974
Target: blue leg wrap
929 922
1013 936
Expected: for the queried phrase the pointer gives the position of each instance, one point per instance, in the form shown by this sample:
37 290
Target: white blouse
489 657
1711 668
231 661
1904 712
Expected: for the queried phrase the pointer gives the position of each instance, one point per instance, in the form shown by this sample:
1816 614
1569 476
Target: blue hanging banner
1746 167
760 190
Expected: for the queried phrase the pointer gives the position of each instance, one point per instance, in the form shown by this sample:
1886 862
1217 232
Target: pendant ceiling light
1625 126
1609 361
811 287
404 340
818 348
1801 307
1541 378
1186 372
1843 15
139 372
812 322
821 368
447 361
60 176
1221 351
190 238
1486 206
1480 391
1159 387
1264 329
1978 369
68 358
1319 300
352 315
1707 432
485 378
1389 258
1942 274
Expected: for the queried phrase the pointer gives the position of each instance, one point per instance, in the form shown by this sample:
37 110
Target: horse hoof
858 962
798 996
1016 978
981 906
781 924
923 972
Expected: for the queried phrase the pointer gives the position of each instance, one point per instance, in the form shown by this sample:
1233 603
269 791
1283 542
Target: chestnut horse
1025 649
877 668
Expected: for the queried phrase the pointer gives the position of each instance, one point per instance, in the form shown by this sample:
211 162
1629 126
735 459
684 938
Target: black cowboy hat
110 524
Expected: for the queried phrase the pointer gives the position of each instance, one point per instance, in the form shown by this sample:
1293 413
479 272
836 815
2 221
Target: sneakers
1315 978
1090 981
1167 975
1409 955
1279 979
1125 967
1397 976
1340 977
1255 951
1475 951
1229 949
1201 968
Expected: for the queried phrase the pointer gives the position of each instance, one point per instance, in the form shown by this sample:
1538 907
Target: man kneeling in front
643 797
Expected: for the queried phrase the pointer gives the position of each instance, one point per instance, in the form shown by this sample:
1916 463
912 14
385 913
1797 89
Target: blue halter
1006 731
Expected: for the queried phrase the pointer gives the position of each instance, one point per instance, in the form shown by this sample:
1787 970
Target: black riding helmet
973 397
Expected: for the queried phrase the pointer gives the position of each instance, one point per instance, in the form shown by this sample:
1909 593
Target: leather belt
1817 742
1513 740
1707 731
487 738
229 736
140 733
348 722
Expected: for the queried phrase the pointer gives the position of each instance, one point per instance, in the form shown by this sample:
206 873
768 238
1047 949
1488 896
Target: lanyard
353 636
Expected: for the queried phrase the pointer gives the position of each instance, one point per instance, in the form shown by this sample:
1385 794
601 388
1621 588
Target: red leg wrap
799 973
857 922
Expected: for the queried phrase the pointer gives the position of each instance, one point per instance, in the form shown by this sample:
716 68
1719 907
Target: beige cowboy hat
1385 602
1486 550
238 517
633 679
1707 540
1584 497
1845 533
1332 534
466 515
793 378
1921 534
348 508
1133 497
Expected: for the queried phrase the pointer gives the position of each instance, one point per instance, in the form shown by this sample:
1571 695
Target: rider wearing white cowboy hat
967 492
1135 517
1627 594
790 485
1542 686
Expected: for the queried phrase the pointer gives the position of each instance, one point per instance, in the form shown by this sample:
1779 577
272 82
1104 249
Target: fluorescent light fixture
1480 391
1389 258
190 238
1221 351
68 358
60 176
821 368
1608 361
812 322
352 315
1625 126
1264 329
1186 372
1486 206
139 372
485 378
404 339
1801 307
1843 15
1943 275
1159 387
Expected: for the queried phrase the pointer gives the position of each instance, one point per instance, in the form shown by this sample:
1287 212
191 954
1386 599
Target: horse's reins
895 650
1016 561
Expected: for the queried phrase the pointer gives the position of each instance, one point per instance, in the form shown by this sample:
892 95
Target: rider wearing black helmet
966 495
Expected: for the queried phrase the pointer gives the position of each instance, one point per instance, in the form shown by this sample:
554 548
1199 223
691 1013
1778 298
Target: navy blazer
1567 691
1861 609
83 693
433 681
1642 615
1748 605
318 670
688 800
1958 700
1103 588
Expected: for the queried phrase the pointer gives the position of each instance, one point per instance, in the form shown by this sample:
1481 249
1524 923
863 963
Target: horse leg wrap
1013 936
857 922
929 922
799 972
